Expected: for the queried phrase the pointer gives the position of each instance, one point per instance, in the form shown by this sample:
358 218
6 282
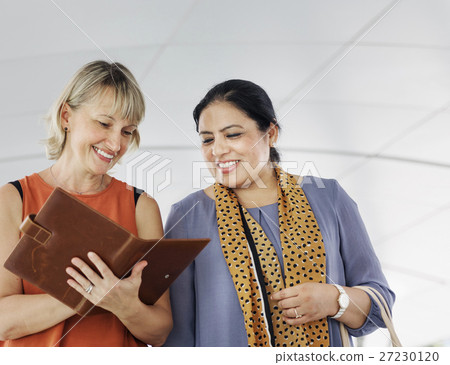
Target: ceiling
361 89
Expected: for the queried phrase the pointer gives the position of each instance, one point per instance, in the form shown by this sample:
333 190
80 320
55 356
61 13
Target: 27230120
409 356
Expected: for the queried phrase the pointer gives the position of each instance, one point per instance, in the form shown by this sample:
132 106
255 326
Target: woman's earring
66 129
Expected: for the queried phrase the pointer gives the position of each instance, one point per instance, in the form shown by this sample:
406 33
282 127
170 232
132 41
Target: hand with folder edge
47 313
105 290
51 243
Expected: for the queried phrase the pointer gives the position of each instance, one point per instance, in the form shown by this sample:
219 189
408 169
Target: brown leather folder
65 227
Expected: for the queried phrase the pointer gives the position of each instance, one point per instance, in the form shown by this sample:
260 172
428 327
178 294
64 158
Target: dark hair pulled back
249 98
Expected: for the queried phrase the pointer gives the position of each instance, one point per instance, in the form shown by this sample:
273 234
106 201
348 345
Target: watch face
344 301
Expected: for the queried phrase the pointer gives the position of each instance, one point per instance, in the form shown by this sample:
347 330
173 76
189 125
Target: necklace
74 191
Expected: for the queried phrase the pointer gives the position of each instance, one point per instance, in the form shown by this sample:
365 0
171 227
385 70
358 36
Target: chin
101 170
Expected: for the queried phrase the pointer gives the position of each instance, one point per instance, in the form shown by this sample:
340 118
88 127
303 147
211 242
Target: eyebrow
107 116
223 129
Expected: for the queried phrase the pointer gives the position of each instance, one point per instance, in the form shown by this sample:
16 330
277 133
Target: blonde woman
91 126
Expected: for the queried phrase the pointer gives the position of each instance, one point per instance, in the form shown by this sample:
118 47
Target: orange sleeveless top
117 203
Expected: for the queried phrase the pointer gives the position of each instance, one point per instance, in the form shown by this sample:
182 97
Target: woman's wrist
129 310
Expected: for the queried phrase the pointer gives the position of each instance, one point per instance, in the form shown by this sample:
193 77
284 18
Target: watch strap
341 309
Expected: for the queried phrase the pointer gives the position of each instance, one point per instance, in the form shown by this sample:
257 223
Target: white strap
385 315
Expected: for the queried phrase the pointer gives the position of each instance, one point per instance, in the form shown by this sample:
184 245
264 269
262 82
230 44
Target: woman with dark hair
284 255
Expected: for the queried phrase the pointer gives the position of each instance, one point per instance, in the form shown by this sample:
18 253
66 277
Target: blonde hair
90 82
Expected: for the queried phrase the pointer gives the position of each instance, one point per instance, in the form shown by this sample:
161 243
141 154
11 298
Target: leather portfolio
65 227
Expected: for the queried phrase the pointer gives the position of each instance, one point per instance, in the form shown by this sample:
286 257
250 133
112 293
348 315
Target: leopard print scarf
256 270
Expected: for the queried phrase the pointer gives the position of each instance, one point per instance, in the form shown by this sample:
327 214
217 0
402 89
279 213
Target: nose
219 147
113 141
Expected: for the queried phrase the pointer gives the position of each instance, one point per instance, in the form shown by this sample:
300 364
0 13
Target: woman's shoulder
13 191
11 207
199 197
10 193
118 187
324 191
327 193
314 184
191 214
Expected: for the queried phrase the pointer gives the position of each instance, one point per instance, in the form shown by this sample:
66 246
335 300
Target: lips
226 167
103 154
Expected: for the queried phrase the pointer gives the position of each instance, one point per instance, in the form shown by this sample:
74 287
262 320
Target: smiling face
96 139
237 152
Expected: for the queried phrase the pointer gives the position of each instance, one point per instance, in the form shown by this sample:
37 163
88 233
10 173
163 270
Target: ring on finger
296 314
89 288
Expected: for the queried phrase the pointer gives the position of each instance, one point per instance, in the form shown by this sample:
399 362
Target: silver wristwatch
343 301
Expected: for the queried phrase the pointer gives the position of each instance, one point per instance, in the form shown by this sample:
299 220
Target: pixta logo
148 171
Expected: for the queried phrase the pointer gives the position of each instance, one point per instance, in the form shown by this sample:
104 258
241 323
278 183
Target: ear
273 134
66 113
